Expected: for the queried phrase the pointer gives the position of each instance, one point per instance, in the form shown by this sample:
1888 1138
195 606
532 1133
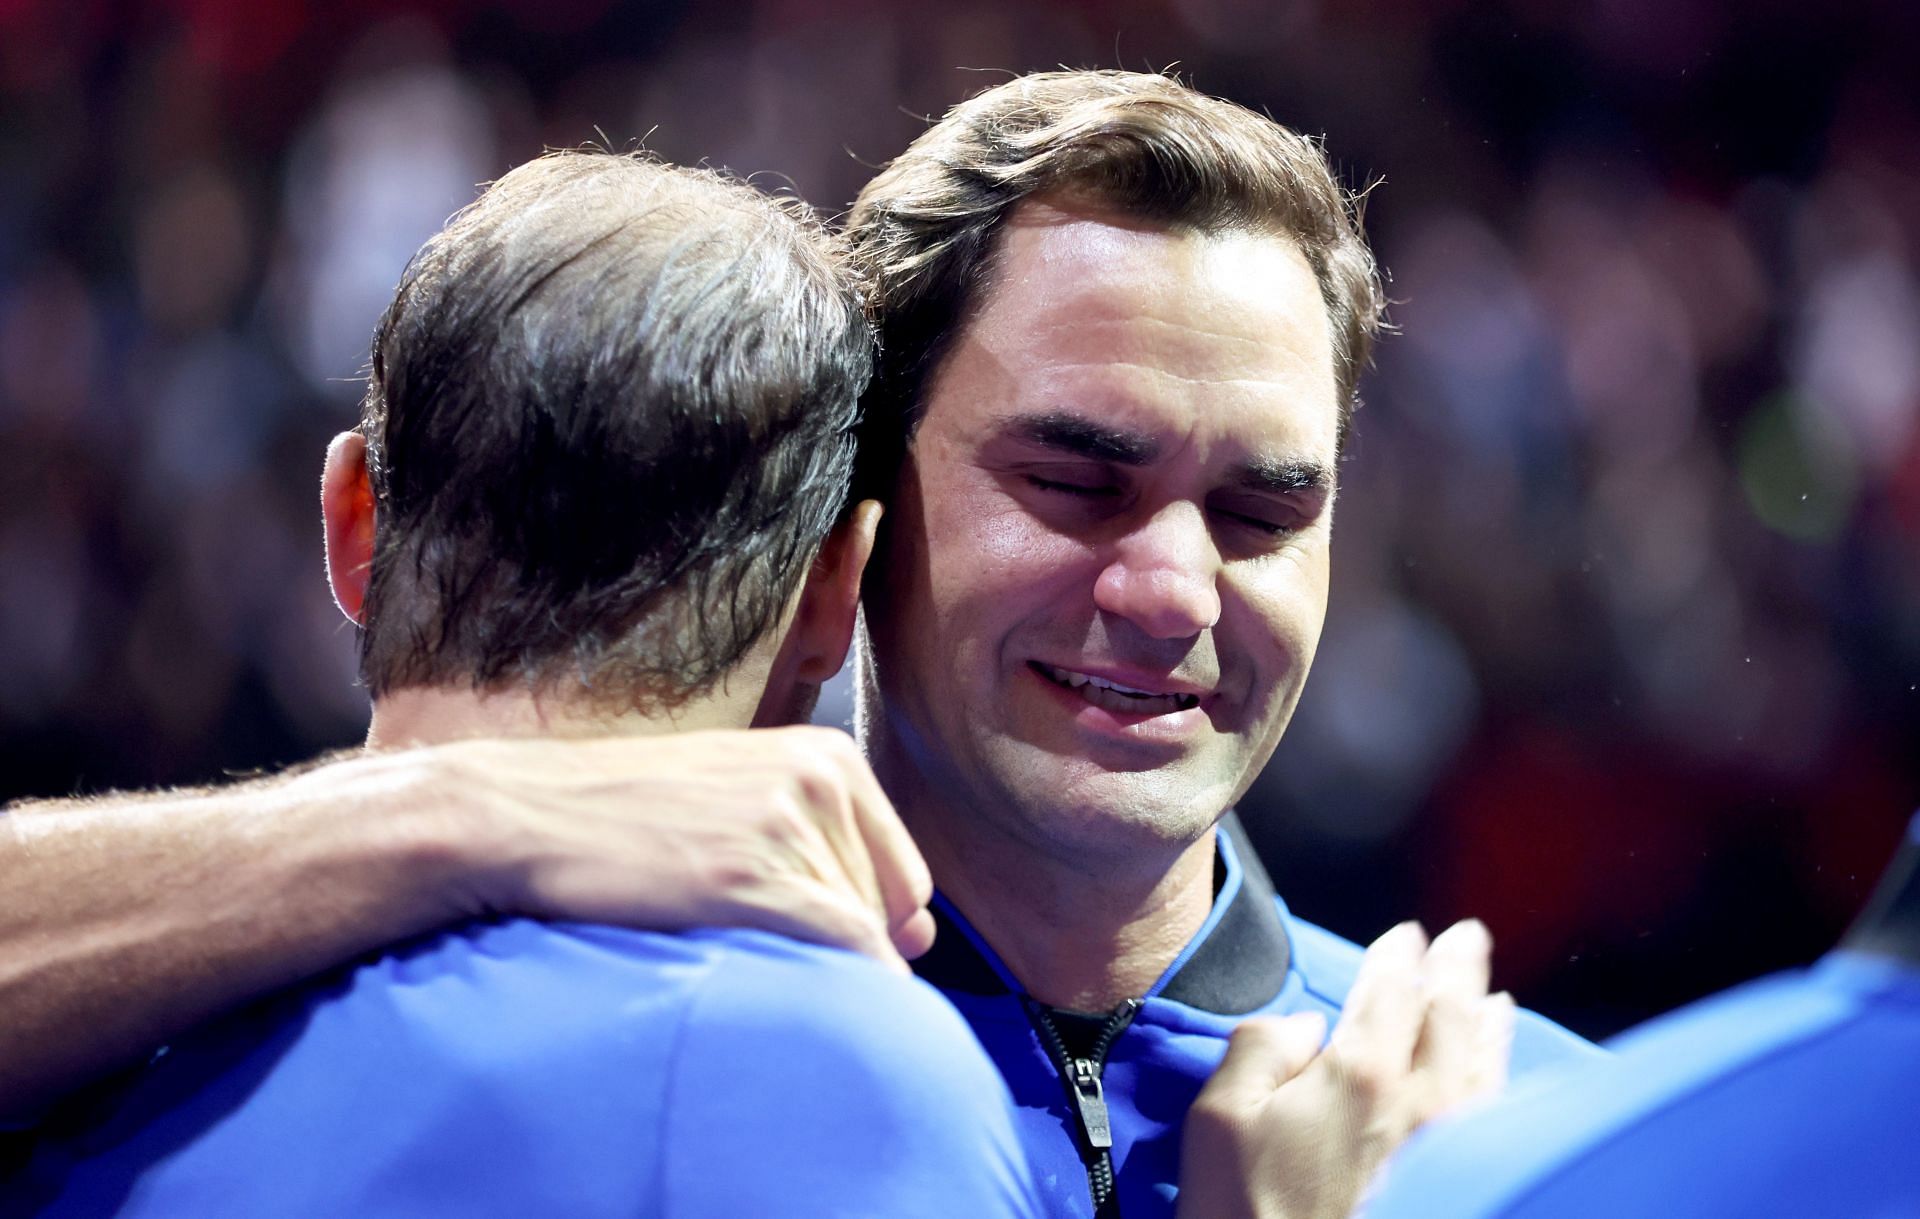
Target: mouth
1113 696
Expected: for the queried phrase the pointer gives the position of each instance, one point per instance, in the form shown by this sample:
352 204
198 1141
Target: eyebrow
1284 477
1082 437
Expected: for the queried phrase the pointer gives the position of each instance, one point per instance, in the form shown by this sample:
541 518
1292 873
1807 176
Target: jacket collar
1890 925
1235 964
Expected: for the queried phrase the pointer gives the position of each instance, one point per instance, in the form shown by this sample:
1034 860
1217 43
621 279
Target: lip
1168 727
1136 679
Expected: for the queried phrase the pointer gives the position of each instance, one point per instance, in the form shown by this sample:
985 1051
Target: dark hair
611 415
923 230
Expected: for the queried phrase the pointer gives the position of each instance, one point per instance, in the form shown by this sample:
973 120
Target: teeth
1128 698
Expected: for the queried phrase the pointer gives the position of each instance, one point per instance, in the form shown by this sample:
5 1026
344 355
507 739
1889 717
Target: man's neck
433 715
1081 934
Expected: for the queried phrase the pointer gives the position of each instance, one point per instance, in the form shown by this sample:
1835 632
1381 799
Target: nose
1163 576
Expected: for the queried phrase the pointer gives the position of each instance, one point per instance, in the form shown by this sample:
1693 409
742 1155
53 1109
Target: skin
1125 469
1293 1125
1184 549
134 917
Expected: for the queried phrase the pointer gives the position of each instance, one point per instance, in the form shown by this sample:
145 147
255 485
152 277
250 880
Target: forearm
126 920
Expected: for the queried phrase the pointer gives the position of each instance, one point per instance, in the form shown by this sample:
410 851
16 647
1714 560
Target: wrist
387 827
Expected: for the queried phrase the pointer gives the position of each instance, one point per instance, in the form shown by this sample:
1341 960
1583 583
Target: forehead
1218 335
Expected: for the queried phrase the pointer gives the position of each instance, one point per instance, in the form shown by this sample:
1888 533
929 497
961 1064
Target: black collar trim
1238 967
1890 925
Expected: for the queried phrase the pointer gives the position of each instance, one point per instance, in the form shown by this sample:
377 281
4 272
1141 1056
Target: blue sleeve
1789 1096
867 1096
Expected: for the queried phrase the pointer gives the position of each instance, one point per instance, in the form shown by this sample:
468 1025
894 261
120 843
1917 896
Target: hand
779 829
1288 1130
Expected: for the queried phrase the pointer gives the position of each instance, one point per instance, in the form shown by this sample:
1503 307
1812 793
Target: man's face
1107 565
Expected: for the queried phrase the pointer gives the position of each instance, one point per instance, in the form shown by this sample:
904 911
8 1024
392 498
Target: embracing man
599 489
1121 326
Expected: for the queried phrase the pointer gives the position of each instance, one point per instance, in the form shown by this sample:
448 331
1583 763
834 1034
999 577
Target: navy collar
1236 963
1890 925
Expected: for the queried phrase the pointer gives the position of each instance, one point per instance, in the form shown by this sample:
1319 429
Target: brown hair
610 418
924 229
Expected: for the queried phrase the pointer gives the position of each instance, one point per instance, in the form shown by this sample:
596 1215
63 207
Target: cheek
1285 602
989 557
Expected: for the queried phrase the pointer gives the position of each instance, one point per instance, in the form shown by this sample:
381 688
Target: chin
1095 811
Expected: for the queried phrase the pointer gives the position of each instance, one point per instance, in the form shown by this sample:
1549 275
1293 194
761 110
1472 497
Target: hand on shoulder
781 829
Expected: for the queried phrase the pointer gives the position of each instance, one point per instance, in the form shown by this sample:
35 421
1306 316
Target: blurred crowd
1624 649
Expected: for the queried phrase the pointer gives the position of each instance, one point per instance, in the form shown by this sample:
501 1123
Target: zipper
1089 1099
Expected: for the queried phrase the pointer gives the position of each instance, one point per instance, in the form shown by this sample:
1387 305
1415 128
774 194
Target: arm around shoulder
127 919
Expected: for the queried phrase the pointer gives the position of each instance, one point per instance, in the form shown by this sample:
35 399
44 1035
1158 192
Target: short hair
610 417
924 229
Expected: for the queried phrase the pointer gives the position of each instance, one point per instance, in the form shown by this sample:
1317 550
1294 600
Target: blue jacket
1251 957
518 1069
1797 1095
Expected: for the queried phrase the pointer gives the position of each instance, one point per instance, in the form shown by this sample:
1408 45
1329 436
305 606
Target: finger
836 791
829 809
1493 1045
1380 1022
915 936
1265 1053
1455 978
1459 961
900 871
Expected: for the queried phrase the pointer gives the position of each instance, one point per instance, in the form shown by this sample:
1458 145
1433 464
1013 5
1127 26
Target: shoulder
826 1019
518 1068
851 1082
1786 1095
525 996
1325 962
417 1066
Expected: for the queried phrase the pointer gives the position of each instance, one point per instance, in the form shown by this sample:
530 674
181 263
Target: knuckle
728 871
789 820
1212 1115
818 788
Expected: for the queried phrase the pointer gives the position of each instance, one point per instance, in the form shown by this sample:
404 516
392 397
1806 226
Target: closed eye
1261 524
1088 490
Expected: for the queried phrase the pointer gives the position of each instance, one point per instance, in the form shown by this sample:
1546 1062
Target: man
606 441
1792 1095
1122 326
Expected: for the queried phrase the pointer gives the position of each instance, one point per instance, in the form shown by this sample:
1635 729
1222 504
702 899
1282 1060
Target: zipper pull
1092 1099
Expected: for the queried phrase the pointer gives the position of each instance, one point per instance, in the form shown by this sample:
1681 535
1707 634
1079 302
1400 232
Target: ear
816 644
346 511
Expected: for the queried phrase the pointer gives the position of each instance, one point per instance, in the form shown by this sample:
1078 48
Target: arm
125 920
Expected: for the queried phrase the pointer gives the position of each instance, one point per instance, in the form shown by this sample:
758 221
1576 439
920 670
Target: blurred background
1624 649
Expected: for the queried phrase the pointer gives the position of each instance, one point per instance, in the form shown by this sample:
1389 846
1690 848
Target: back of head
611 414
1141 144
